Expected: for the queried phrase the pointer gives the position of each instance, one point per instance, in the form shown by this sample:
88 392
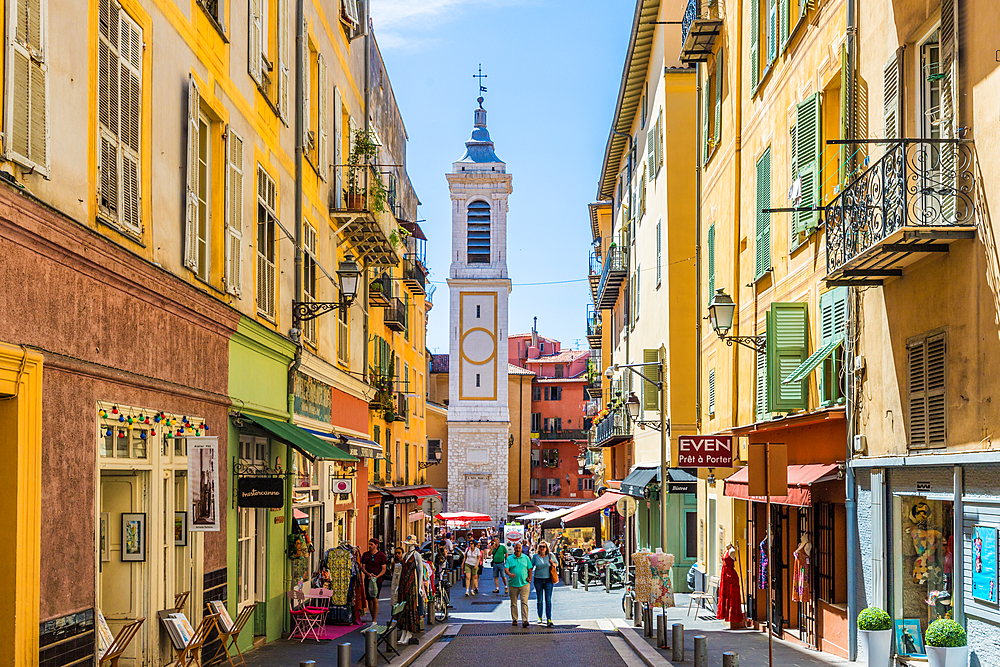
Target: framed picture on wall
104 538
909 638
180 529
133 537
984 564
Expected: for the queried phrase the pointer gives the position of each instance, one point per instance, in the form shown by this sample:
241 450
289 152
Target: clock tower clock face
478 346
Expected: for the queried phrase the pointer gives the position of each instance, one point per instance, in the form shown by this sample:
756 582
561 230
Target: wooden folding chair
121 642
180 600
191 653
232 637
705 597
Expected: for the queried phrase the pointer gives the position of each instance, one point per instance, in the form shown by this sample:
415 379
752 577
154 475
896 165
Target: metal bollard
628 612
429 612
636 613
730 659
661 631
678 643
394 638
647 621
344 655
371 655
576 578
307 663
700 651
607 579
586 578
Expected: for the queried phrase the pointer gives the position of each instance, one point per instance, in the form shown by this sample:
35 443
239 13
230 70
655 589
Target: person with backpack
498 551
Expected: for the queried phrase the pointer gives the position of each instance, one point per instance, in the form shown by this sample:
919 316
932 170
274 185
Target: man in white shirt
473 559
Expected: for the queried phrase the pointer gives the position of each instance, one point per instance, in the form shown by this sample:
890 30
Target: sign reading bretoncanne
705 451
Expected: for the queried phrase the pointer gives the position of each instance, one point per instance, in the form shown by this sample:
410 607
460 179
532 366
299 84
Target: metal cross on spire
480 76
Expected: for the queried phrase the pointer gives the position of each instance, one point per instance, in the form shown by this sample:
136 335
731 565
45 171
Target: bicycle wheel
440 608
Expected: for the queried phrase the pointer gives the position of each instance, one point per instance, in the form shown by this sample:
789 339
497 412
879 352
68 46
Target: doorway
477 493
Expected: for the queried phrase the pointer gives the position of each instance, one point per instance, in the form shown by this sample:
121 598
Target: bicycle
442 601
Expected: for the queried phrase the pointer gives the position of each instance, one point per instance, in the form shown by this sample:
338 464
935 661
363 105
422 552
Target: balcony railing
380 291
565 434
394 315
595 274
593 328
612 276
615 428
359 205
414 274
917 198
699 31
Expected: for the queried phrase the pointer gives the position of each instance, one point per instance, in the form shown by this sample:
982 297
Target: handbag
372 587
553 570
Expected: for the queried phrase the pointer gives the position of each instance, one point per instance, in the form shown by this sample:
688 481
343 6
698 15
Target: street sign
626 506
770 460
431 505
705 451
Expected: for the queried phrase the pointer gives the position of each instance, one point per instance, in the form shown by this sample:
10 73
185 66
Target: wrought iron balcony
380 291
595 275
615 428
394 315
593 328
565 434
916 199
698 31
360 208
612 276
414 274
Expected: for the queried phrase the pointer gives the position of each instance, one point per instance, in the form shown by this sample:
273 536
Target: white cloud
400 23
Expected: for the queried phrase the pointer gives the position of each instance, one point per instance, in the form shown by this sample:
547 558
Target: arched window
479 233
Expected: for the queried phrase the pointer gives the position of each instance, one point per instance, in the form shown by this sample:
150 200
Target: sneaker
514 623
549 623
466 593
523 625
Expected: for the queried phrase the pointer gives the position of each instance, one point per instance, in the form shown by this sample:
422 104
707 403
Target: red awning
607 500
424 492
420 492
800 479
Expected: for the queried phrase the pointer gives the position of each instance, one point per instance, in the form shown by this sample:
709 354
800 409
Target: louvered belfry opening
479 233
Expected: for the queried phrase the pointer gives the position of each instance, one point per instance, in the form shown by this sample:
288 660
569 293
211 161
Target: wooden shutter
255 40
788 347
234 213
832 323
108 110
26 137
772 30
650 392
191 206
284 27
659 255
892 95
705 125
638 290
784 21
927 385
718 98
948 40
846 109
711 391
711 261
763 249
323 112
760 388
338 146
130 49
793 169
754 43
659 141
651 151
807 150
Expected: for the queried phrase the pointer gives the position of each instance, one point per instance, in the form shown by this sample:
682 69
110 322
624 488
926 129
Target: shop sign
704 451
268 492
313 398
203 484
984 564
682 487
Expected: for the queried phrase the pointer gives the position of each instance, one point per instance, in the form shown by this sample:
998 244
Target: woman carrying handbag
546 573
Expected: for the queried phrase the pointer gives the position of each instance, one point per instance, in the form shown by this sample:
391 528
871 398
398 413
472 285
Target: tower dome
479 147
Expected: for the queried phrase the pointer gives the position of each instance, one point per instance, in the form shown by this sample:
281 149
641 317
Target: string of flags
171 426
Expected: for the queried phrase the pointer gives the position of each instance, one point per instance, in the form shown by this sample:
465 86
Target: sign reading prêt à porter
268 492
705 451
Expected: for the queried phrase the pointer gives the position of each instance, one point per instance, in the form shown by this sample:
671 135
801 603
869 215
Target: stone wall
478 448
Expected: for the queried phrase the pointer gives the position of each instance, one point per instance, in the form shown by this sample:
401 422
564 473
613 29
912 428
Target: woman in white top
473 559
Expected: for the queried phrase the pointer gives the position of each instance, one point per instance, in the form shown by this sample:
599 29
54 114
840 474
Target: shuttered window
706 125
267 222
760 386
309 276
26 87
832 323
478 233
269 22
255 39
119 64
198 191
642 194
234 213
772 30
717 134
711 262
927 374
763 249
892 95
784 18
638 290
711 391
807 162
323 160
659 251
651 139
787 348
650 392
283 29
754 43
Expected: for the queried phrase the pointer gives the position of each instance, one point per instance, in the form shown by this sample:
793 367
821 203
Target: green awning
305 442
814 360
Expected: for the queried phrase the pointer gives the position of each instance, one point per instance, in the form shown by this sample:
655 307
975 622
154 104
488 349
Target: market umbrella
463 517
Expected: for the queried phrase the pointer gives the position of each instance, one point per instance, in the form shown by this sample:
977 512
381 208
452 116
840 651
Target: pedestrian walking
545 568
498 553
518 567
473 559
373 563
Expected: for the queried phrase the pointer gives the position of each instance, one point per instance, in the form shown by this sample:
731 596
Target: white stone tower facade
478 419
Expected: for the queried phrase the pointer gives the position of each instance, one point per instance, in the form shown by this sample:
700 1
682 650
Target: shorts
499 572
471 569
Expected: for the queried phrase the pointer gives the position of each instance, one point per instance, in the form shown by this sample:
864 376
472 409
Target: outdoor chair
190 654
706 597
305 619
121 642
232 637
384 631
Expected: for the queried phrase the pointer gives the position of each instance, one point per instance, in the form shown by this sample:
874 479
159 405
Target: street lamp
721 311
348 275
421 465
633 406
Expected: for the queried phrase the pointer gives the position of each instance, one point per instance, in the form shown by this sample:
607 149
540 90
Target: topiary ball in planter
945 633
873 619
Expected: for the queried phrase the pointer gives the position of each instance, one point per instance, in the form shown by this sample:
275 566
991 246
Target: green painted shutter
807 149
651 152
705 125
659 141
772 30
650 393
761 377
763 249
788 347
784 18
832 320
711 392
659 245
845 113
718 97
754 43
711 261
793 170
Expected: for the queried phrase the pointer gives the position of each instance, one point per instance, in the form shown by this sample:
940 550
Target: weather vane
480 76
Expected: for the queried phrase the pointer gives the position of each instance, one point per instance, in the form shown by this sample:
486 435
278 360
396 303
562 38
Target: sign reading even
705 451
260 492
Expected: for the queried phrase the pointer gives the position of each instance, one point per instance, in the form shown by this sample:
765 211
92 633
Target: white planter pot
877 645
939 656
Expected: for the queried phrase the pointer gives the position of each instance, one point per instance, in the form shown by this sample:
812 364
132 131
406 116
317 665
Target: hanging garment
662 590
339 564
409 591
643 576
762 572
801 590
730 607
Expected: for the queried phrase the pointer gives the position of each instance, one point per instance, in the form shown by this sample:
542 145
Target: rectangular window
787 348
763 248
536 422
198 215
711 262
533 485
216 11
927 375
266 243
760 385
478 233
536 393
234 213
579 483
309 277
552 487
833 319
26 86
343 337
690 534
550 458
806 174
926 542
559 370
269 27
119 69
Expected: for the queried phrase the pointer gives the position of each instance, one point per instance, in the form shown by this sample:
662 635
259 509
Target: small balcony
594 275
360 208
918 198
380 292
394 315
699 30
565 434
593 328
414 274
612 277
614 428
594 389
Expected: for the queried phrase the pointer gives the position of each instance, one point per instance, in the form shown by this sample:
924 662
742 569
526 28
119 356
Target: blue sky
553 69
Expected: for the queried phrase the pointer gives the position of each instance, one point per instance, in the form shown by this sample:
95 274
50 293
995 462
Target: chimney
534 333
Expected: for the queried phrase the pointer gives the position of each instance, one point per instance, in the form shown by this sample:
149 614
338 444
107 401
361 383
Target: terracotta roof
439 363
517 370
563 357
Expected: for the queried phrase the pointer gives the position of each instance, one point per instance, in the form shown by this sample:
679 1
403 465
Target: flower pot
877 645
947 656
355 201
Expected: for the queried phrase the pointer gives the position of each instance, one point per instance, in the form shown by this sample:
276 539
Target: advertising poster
203 484
513 533
984 564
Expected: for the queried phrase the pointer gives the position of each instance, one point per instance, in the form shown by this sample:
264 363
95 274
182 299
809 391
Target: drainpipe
699 160
736 95
368 49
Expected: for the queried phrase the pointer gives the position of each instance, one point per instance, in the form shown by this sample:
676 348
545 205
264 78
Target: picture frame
909 638
133 537
104 537
180 529
984 564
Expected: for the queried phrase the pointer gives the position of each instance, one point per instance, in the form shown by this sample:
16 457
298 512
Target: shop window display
925 559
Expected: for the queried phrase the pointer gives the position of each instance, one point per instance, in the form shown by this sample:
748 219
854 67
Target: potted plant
875 633
946 644
364 151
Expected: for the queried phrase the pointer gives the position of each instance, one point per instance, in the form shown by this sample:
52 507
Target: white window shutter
108 110
255 40
305 83
891 96
651 152
338 147
130 48
234 213
285 59
191 207
659 141
323 158
26 86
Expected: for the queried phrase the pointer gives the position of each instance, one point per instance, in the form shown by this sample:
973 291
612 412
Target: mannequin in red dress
730 607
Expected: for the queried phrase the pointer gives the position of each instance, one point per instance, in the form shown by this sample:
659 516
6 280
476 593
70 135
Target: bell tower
478 418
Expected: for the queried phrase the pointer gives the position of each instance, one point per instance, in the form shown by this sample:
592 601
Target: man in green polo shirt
518 568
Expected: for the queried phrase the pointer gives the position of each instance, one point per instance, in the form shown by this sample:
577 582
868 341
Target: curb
646 653
428 639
